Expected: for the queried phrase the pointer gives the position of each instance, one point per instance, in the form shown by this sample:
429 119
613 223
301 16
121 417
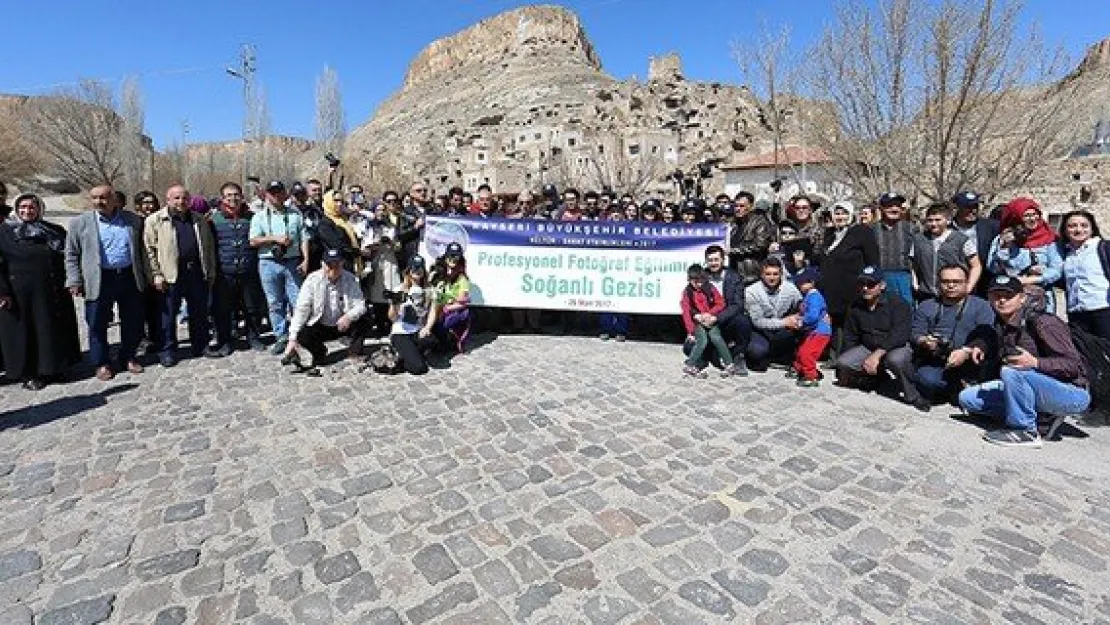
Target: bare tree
79 130
17 160
136 160
331 124
169 168
769 72
937 98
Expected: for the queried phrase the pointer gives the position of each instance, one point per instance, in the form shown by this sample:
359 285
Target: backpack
1096 363
385 360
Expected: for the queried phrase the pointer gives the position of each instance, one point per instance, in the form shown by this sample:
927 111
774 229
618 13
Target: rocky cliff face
520 99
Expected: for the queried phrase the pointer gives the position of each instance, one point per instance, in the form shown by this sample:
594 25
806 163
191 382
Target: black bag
385 360
1096 362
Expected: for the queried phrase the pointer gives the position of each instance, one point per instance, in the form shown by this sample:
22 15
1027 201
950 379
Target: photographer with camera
1026 249
278 232
943 325
413 313
1039 368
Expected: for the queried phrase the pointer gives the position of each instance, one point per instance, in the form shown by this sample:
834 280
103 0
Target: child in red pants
816 325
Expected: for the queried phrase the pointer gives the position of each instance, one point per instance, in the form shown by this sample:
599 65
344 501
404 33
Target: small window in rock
1076 177
571 142
633 150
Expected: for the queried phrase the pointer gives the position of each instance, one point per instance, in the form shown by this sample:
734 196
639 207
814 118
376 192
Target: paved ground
538 480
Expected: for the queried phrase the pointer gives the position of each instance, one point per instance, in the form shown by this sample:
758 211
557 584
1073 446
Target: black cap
275 186
891 198
416 263
870 273
1005 284
650 204
333 256
966 199
691 206
549 190
453 249
727 209
297 188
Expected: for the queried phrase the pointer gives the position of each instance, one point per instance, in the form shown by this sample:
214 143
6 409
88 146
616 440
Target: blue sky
180 49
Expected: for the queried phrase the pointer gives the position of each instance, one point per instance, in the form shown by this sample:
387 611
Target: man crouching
330 305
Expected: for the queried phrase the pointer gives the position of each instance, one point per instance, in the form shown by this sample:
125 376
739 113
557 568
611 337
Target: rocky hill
521 99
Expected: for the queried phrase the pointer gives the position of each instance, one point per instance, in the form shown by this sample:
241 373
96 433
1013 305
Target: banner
601 266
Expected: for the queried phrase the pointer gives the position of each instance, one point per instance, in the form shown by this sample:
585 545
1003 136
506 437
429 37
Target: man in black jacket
750 234
735 325
876 338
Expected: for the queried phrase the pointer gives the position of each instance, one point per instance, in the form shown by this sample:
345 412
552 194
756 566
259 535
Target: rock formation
520 99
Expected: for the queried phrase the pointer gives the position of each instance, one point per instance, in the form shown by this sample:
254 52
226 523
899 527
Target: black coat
39 330
841 265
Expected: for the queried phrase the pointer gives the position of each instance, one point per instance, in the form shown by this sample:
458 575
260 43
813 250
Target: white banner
625 267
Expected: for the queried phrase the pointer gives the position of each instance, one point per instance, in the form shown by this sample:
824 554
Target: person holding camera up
278 232
942 326
1026 249
1040 369
329 305
413 313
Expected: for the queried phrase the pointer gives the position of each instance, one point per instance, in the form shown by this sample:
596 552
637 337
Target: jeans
193 290
899 283
768 346
282 283
614 324
117 288
1020 394
702 338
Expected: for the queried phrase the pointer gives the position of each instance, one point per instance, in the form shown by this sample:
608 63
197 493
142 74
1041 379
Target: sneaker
790 374
690 371
740 368
167 360
621 338
922 404
256 344
807 383
278 348
604 337
1014 438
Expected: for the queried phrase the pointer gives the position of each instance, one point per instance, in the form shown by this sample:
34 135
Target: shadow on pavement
61 408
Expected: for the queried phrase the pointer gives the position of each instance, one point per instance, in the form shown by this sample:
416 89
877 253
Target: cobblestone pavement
538 480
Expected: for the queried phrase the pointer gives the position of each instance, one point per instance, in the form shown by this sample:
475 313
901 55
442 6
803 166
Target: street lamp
245 73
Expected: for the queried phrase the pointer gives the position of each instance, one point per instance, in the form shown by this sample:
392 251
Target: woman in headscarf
38 324
335 232
1026 249
849 248
799 210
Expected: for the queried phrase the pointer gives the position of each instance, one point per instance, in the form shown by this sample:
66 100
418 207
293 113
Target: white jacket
311 301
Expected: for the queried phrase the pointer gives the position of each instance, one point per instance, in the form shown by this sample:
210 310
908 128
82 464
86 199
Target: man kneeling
1041 370
330 305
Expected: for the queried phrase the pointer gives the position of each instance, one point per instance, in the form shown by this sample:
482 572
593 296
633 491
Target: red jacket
694 302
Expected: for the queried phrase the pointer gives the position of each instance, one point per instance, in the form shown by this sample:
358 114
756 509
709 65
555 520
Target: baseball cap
275 186
727 209
549 190
870 273
416 263
966 199
453 249
809 274
333 256
891 198
1005 284
650 204
691 206
297 188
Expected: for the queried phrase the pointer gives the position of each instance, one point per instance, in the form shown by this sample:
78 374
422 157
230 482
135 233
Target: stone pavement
538 480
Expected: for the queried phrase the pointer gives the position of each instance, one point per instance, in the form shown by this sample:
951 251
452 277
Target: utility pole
245 71
185 152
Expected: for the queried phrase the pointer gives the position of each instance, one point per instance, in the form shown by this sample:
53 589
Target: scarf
331 210
1039 236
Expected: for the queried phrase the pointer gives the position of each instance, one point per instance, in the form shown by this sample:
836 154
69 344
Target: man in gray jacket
772 305
106 264
330 304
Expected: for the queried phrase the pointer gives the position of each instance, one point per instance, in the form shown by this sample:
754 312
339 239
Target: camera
332 160
944 348
1020 232
395 297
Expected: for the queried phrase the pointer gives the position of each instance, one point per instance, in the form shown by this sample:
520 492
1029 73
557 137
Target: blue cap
333 256
966 199
870 273
416 263
453 249
727 208
891 198
1005 284
809 274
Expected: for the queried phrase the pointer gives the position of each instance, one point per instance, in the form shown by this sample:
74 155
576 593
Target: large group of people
961 307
